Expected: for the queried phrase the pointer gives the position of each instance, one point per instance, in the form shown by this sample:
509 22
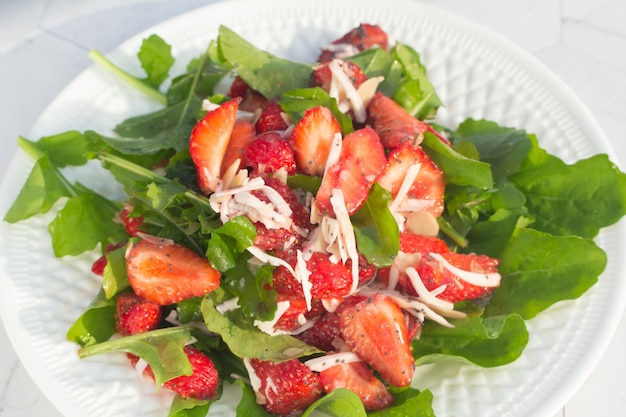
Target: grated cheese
329 360
345 88
475 278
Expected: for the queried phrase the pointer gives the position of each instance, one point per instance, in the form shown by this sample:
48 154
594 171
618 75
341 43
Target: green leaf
577 199
91 214
246 341
248 406
255 299
44 186
375 228
408 402
189 407
156 59
114 278
296 102
374 62
229 241
539 269
162 349
269 75
63 149
96 324
487 342
340 402
457 168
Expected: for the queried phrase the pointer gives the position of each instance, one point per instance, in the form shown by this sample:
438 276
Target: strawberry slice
243 132
312 137
328 279
271 118
322 75
136 315
358 378
202 384
433 275
375 329
166 273
285 388
209 141
361 159
428 186
268 153
251 100
393 123
362 37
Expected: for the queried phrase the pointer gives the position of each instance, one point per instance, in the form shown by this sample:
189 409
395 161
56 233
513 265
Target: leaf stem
128 78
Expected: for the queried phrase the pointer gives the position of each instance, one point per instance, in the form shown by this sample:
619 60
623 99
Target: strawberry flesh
269 153
135 315
166 273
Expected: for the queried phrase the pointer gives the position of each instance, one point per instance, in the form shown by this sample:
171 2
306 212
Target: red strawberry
393 123
286 388
328 279
363 37
282 239
251 100
166 273
326 328
361 160
99 264
358 378
268 153
136 315
375 329
298 310
243 132
434 276
312 137
202 384
429 184
131 224
271 118
322 75
209 141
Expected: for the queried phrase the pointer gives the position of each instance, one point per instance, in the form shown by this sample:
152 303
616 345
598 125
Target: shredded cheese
345 88
268 326
475 278
329 360
255 382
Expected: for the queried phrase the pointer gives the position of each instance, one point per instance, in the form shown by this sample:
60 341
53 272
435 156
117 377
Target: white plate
476 74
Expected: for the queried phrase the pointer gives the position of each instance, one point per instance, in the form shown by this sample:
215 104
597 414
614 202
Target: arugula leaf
156 59
269 75
229 241
248 406
539 269
44 186
296 102
375 228
340 402
114 278
96 324
162 349
189 407
488 342
245 340
255 299
63 149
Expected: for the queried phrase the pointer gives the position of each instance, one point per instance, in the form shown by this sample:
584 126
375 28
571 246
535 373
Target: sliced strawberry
328 279
131 224
286 388
362 37
209 141
393 123
202 384
357 377
271 118
322 75
99 264
268 153
312 137
361 159
136 315
326 328
243 132
282 239
428 186
434 275
297 313
251 100
166 273
375 329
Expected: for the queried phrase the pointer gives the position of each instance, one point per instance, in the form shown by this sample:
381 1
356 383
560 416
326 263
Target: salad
306 232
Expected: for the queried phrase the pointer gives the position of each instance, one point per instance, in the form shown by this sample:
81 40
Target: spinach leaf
96 324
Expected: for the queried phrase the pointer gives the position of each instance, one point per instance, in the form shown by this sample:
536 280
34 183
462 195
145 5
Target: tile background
44 44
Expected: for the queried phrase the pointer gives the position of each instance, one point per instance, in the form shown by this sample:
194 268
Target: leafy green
162 349
269 75
96 324
338 403
246 341
156 59
296 102
189 407
408 402
114 277
248 406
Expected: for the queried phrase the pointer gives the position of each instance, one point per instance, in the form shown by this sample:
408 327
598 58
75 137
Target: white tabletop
44 44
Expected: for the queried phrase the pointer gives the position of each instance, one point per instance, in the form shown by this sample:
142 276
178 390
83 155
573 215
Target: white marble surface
44 44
